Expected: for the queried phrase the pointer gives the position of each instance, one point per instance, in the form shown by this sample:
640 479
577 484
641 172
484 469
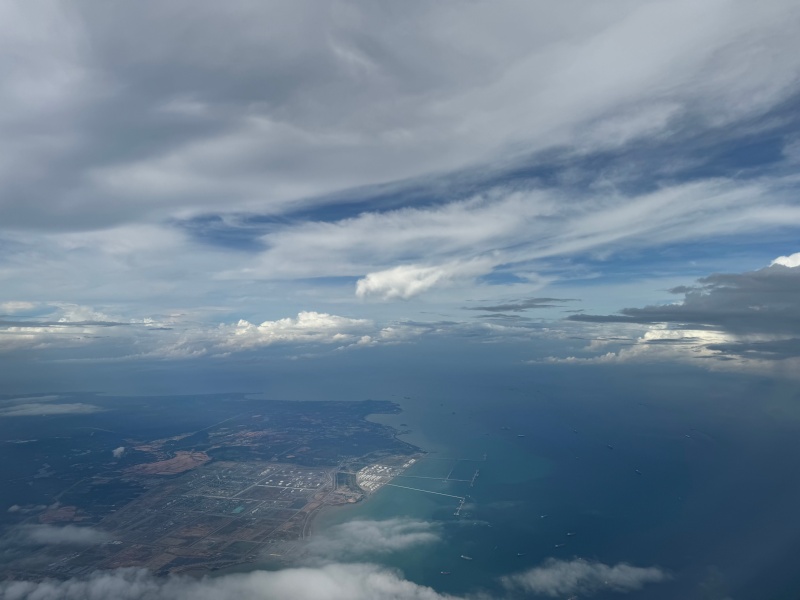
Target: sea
687 470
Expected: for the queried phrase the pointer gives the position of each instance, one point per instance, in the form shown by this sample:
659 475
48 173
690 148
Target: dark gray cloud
523 305
757 302
755 310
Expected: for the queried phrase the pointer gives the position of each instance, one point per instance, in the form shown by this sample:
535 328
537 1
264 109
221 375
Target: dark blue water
713 501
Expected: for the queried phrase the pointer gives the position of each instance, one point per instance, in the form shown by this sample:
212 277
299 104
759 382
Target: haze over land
357 200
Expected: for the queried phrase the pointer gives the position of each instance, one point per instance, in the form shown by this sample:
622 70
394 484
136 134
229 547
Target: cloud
16 306
361 539
330 582
67 535
36 409
406 281
455 151
308 327
557 578
26 399
755 302
224 110
791 261
522 305
118 452
735 321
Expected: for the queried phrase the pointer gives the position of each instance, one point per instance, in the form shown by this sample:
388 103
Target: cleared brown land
181 462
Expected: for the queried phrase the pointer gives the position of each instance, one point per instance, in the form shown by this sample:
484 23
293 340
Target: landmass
242 489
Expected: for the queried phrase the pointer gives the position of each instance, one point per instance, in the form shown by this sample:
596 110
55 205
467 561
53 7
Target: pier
405 487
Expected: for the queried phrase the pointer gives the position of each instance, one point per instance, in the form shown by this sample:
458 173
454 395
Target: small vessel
465 557
520 435
520 554
570 533
560 545
638 472
543 516
444 572
609 446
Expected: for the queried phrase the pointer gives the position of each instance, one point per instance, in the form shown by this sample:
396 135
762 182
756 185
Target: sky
194 179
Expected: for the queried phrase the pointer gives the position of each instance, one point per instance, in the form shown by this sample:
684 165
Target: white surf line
405 487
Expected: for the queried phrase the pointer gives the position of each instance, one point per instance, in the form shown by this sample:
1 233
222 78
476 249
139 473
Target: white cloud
558 578
406 281
330 582
361 539
118 452
308 327
791 261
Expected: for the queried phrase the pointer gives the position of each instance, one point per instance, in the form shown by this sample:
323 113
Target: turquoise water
695 481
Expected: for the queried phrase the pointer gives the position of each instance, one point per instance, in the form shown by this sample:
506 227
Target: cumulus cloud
791 261
406 281
359 539
330 582
308 327
118 452
558 578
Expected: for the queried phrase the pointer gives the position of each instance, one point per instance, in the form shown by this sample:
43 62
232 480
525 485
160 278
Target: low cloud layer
335 581
559 578
67 535
36 409
331 582
362 539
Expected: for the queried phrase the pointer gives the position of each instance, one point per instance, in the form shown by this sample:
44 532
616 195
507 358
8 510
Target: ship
465 557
